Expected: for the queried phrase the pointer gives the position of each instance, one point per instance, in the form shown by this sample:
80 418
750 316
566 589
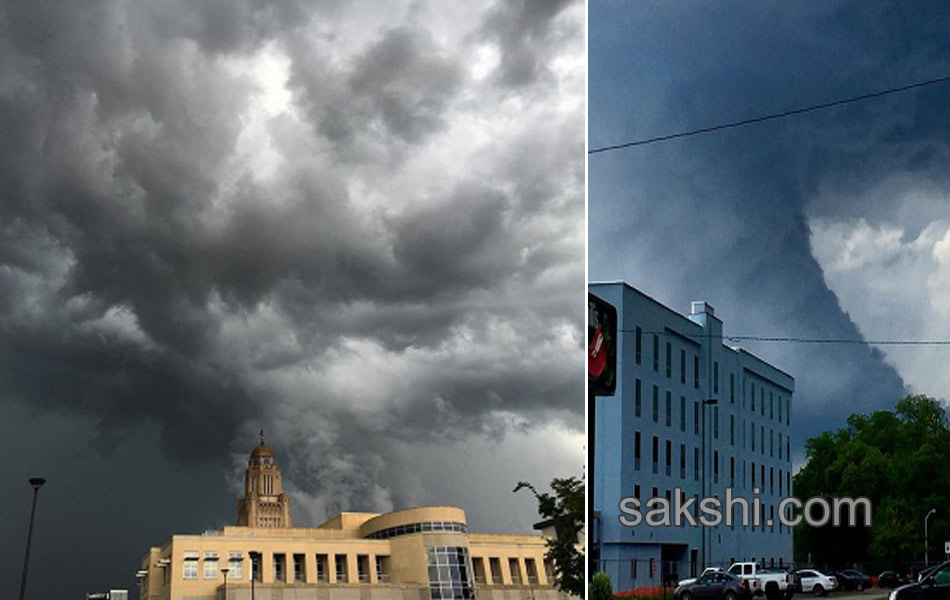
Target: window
478 570
682 413
696 371
322 574
732 430
715 466
771 443
762 401
515 569
669 409
656 454
298 567
362 568
752 397
190 568
280 564
341 571
780 409
382 568
771 480
531 570
753 435
683 366
788 411
752 468
656 404
211 565
716 422
696 464
696 417
449 575
762 439
715 377
780 443
495 565
780 482
656 353
639 345
732 471
669 359
771 406
636 450
669 457
732 388
636 491
637 398
682 461
236 565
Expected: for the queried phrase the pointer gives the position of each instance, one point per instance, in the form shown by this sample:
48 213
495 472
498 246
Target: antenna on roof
262 437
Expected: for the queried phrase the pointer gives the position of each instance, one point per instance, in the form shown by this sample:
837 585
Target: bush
600 587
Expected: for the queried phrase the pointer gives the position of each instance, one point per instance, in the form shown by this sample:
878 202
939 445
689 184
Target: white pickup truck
773 583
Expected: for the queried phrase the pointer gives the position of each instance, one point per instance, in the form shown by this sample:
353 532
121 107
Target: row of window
767 520
638 407
294 572
683 453
638 355
493 575
649 569
417 528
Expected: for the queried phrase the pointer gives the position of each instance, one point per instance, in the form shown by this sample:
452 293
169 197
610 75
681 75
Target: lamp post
706 402
926 542
37 483
225 572
253 571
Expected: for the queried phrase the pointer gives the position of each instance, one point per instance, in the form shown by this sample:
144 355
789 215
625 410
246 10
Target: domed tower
264 504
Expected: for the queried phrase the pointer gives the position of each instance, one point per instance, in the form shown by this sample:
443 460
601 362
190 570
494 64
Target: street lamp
251 555
926 543
225 572
37 483
706 402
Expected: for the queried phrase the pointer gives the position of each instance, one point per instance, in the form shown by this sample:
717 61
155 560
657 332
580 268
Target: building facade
423 553
691 417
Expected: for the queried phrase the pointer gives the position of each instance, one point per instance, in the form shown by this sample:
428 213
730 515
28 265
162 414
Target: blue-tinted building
674 375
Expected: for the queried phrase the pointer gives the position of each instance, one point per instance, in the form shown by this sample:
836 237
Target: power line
769 117
799 340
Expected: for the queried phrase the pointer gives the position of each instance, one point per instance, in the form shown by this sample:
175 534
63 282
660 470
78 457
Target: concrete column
331 567
505 570
372 569
352 574
267 567
310 567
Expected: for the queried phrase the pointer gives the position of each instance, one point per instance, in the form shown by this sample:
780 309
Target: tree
900 461
565 508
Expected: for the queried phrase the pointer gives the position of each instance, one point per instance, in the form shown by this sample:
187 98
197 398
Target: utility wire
799 340
770 117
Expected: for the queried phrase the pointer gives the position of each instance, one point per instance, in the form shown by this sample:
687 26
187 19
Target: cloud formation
748 218
357 227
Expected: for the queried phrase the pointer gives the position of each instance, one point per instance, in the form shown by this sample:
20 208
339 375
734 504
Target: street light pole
37 483
706 402
224 572
926 542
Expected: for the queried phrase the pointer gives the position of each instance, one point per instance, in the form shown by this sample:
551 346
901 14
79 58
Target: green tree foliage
601 587
565 507
898 459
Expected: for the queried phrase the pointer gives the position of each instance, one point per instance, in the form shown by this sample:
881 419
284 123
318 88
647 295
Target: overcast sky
834 224
358 226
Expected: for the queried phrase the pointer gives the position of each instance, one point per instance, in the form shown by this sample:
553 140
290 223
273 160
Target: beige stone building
424 553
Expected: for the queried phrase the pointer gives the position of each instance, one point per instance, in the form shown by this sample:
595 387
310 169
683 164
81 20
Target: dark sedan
891 579
933 585
849 579
714 586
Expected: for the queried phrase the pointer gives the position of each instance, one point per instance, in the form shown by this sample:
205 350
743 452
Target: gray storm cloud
359 228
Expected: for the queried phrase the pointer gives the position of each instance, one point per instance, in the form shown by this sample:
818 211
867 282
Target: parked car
849 579
891 579
706 571
773 583
934 584
715 585
815 582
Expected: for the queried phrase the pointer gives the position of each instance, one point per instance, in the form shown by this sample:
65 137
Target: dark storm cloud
308 217
726 217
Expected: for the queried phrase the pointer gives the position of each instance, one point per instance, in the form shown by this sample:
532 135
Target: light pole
926 542
253 571
224 572
37 483
706 402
